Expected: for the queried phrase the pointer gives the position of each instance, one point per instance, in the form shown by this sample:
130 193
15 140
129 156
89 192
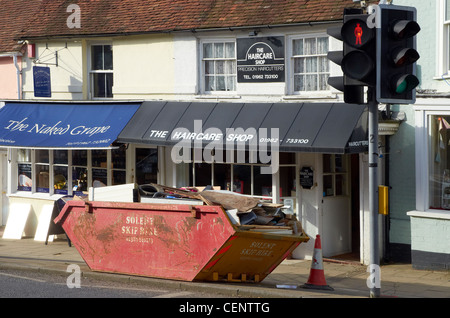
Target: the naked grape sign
260 60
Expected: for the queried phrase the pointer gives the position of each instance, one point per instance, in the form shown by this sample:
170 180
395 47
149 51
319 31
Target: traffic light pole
374 283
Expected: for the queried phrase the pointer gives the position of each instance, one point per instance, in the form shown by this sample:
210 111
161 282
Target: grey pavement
346 278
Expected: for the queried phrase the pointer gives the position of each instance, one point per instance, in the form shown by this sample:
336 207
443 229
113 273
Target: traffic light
357 59
397 55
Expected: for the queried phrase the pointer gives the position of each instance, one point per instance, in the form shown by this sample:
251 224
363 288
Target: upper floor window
310 66
219 66
446 36
101 72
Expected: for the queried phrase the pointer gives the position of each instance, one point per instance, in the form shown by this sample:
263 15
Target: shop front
305 155
57 149
309 156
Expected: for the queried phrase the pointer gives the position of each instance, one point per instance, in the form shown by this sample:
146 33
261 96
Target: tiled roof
103 17
13 15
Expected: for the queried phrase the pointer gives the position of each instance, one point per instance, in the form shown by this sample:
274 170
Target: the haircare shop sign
260 60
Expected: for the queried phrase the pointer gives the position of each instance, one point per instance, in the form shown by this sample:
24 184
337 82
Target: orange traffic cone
317 276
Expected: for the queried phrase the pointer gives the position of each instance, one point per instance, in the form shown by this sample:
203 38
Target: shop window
310 66
262 183
80 158
203 174
42 156
439 167
69 171
25 177
60 179
146 165
287 181
99 168
79 171
239 178
79 180
42 176
101 71
242 179
335 178
222 176
219 66
118 165
60 171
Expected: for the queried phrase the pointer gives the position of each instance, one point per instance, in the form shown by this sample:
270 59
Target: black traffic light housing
357 59
397 55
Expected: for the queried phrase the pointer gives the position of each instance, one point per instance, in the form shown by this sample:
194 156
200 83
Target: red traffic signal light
355 32
357 57
359 61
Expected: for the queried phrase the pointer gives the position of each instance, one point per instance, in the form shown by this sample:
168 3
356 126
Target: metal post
373 192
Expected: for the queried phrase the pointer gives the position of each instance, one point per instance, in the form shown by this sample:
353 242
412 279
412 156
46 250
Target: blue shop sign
63 125
42 81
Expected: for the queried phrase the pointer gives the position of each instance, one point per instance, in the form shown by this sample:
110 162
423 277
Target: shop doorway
340 207
355 197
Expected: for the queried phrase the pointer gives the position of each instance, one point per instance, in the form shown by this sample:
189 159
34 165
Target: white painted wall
144 67
66 78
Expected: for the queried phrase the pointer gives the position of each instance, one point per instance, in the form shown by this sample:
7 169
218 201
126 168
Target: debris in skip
245 211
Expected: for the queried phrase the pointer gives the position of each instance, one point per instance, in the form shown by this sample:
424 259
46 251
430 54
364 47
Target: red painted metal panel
167 241
178 242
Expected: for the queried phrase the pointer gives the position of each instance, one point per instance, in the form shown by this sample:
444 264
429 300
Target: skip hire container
179 242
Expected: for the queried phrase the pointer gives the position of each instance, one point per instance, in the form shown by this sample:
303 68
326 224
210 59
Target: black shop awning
295 127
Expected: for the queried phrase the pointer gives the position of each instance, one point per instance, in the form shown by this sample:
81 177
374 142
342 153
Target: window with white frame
101 71
219 66
310 66
245 177
69 171
446 40
335 175
439 162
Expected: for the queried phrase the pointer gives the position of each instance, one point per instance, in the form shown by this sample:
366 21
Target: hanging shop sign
41 81
306 178
260 60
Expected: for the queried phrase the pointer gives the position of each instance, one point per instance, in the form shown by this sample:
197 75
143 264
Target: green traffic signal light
406 83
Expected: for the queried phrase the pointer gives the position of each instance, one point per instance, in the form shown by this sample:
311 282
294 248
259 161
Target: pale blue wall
402 144
402 178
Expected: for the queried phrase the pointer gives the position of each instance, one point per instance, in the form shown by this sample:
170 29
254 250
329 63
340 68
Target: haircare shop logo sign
54 129
260 60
